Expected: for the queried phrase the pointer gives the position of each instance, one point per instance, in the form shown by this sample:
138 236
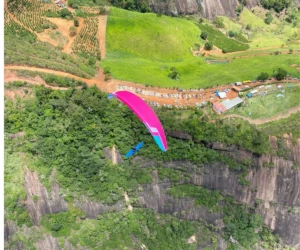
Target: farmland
86 43
31 13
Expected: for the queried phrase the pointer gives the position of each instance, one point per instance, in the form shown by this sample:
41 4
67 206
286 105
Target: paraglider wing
145 114
134 150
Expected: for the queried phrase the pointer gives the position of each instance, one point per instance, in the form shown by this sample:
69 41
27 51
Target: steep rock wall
49 242
274 189
9 230
154 197
93 209
207 8
46 203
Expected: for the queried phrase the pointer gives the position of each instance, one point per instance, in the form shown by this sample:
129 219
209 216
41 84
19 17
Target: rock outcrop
49 242
206 8
274 189
179 135
154 197
9 230
38 201
93 209
113 155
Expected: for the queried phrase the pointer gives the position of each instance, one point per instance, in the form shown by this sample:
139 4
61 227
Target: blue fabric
133 151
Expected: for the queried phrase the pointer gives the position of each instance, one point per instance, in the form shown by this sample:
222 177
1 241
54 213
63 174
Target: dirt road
151 94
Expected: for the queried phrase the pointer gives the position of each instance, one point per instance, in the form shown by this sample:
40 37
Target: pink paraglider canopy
145 114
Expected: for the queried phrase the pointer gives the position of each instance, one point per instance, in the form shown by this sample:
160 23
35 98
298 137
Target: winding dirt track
286 114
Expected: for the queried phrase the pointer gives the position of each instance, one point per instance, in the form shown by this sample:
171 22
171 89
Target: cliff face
38 201
274 189
93 209
206 8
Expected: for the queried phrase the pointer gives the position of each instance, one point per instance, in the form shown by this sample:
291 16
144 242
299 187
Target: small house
254 91
228 104
238 83
218 107
221 95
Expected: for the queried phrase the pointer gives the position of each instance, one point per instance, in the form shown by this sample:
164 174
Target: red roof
218 107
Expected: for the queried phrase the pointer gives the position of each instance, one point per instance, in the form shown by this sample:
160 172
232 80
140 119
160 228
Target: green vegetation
282 126
129 35
129 229
149 46
86 43
277 5
221 41
269 105
203 197
14 191
40 54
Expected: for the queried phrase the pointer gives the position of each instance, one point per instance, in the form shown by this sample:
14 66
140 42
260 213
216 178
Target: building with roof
221 94
218 107
228 104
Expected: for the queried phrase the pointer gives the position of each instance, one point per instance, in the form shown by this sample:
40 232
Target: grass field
149 36
195 72
264 35
143 47
269 105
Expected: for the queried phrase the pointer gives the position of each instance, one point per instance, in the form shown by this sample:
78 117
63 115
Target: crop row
221 41
11 27
86 41
31 12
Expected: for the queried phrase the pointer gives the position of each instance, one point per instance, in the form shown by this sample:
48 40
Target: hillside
227 181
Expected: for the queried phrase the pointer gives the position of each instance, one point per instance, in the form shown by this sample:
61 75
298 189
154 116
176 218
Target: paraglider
145 113
133 150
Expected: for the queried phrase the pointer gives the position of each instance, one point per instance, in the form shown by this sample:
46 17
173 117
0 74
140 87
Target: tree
65 12
208 45
76 23
291 51
92 60
263 76
174 74
248 27
231 33
203 35
269 18
72 31
280 73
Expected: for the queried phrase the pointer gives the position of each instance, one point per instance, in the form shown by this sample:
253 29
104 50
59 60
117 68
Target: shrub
203 35
65 12
208 45
174 74
76 23
72 31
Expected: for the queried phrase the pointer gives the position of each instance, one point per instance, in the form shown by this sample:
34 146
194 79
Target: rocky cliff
39 201
206 8
274 189
274 192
